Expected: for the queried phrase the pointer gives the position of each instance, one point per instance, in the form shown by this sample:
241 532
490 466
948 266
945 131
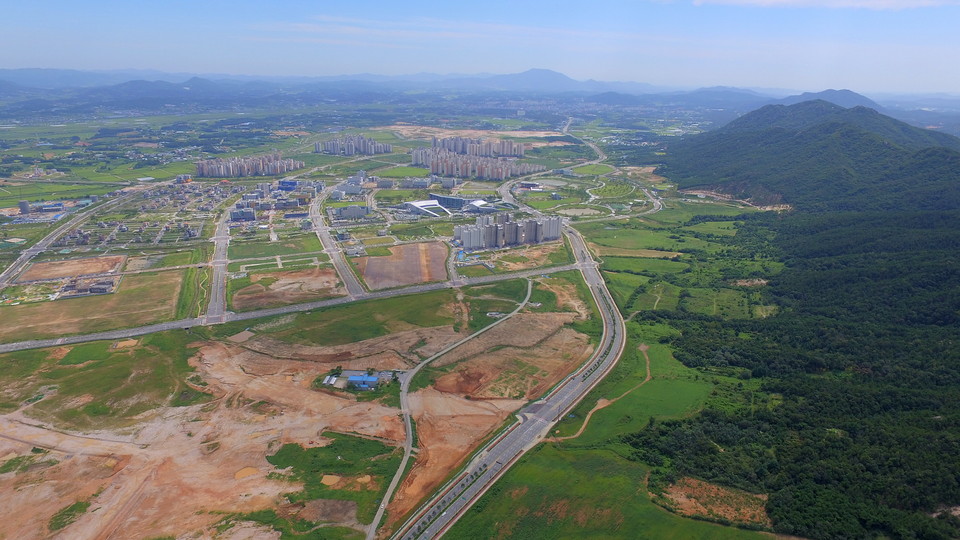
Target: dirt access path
603 403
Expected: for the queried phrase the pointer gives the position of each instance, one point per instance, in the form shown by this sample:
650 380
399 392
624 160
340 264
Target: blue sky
865 45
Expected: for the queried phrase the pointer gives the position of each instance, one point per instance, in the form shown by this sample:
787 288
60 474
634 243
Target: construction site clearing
178 471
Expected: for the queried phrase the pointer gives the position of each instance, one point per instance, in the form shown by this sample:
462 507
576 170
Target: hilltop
821 156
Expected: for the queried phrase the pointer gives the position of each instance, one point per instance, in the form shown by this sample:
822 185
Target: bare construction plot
73 268
407 264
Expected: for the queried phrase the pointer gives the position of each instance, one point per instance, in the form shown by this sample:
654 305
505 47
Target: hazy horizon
875 46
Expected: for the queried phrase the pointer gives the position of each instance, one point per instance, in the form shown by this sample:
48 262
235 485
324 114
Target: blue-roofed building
363 382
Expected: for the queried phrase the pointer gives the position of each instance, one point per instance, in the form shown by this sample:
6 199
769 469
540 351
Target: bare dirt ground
426 132
643 173
399 350
407 264
537 351
536 257
73 267
288 288
156 300
180 469
693 497
448 428
647 253
532 354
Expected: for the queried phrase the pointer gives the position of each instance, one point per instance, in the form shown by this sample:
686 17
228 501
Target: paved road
440 512
330 247
294 308
405 409
217 308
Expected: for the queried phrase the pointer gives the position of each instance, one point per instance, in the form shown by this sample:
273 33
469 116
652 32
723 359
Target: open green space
12 192
396 196
304 243
589 487
403 172
352 322
636 234
594 169
348 457
97 386
643 265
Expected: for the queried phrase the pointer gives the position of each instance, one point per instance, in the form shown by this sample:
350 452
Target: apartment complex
447 163
499 230
268 165
353 145
479 147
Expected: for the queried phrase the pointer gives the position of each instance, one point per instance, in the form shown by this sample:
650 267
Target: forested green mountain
817 155
860 437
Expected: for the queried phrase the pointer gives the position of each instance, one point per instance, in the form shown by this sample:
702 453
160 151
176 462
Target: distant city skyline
904 46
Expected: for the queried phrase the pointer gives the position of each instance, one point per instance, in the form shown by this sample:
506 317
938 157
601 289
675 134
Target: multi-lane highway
535 420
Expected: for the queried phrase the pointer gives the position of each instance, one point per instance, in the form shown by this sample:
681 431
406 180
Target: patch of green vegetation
293 245
479 308
67 515
403 172
614 190
511 289
122 382
594 169
291 528
193 292
357 321
377 251
642 266
347 456
475 270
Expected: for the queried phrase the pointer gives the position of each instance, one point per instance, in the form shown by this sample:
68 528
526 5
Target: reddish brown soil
400 350
407 264
693 497
290 287
448 428
180 469
537 256
73 267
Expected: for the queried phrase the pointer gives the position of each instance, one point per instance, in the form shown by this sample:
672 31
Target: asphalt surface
405 409
535 420
217 308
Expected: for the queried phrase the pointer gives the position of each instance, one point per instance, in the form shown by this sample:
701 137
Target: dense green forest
818 156
864 361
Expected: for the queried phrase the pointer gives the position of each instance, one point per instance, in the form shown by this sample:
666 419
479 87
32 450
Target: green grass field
635 234
13 192
122 382
638 264
353 322
346 456
595 169
403 172
305 243
586 487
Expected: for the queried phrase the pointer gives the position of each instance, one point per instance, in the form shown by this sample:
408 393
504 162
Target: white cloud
839 4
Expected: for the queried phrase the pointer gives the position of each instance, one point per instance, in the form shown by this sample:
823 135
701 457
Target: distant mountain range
821 156
25 92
